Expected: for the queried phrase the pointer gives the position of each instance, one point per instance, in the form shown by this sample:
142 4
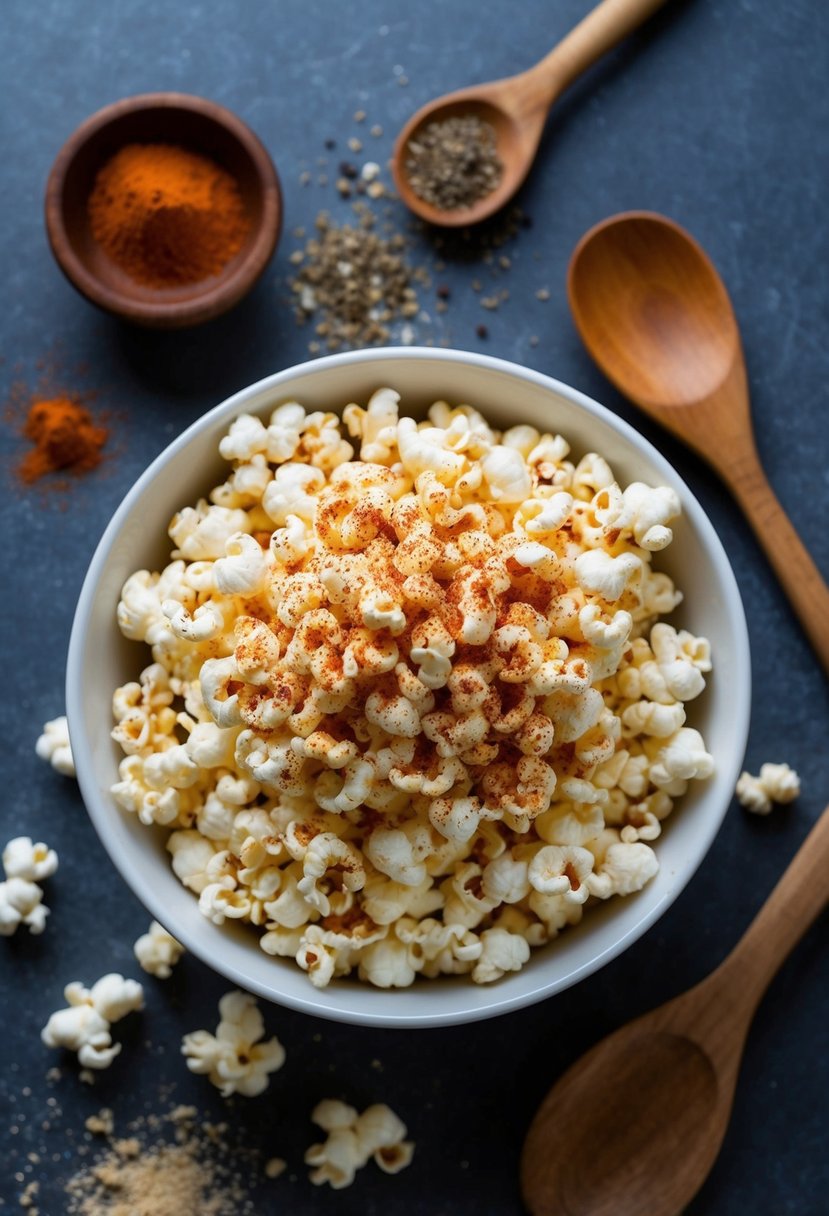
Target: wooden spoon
634 1126
656 317
517 107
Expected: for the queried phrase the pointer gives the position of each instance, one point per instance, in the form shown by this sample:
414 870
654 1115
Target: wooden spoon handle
800 895
601 29
798 574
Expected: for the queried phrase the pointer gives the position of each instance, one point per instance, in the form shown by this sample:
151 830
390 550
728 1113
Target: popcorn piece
625 869
33 862
561 870
776 783
82 1030
680 760
20 904
245 568
502 952
84 1027
158 951
192 854
54 746
353 1139
112 996
234 1059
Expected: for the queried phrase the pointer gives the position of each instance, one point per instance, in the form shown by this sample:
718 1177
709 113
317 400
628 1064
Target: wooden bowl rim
216 298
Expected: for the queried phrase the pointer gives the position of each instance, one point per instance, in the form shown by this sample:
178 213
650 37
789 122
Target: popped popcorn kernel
777 783
21 899
353 1140
235 1059
84 1026
411 708
54 747
158 951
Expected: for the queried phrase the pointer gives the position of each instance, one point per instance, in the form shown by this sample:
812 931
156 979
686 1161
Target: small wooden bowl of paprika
163 209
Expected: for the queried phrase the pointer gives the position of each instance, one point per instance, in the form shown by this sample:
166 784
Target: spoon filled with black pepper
461 157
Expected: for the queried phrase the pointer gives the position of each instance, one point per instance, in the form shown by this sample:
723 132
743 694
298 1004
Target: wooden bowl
172 118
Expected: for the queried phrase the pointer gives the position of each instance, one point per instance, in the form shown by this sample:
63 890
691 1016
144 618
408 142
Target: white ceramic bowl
100 659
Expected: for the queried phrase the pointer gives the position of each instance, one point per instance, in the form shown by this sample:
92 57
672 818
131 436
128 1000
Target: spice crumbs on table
542 294
356 281
376 131
482 331
355 144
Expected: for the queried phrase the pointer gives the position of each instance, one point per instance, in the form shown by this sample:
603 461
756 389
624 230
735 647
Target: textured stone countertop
716 114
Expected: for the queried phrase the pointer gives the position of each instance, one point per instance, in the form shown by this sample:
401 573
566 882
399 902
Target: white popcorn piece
561 870
777 783
244 569
158 951
247 436
81 1029
205 623
84 1027
501 952
54 747
201 533
191 853
21 904
376 425
33 862
506 475
625 869
235 1059
112 996
353 1139
388 964
682 758
600 574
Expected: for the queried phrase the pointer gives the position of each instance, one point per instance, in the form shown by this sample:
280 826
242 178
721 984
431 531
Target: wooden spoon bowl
173 118
656 317
516 107
634 1126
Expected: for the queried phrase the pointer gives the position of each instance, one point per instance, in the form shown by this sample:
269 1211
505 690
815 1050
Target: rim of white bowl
101 815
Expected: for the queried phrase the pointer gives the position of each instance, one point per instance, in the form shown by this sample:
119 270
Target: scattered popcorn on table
411 707
275 1167
23 859
776 783
54 746
21 899
234 1058
353 1139
158 951
84 1027
20 904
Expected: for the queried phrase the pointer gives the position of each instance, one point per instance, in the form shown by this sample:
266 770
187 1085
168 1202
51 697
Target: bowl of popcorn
408 687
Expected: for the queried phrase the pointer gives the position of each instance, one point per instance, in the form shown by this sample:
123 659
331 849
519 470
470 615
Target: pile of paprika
166 216
65 437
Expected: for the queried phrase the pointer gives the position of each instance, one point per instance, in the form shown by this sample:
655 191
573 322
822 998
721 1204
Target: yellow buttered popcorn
411 708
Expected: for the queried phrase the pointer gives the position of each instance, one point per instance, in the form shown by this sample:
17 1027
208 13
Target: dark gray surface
716 115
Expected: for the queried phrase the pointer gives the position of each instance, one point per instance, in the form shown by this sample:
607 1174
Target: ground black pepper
453 163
